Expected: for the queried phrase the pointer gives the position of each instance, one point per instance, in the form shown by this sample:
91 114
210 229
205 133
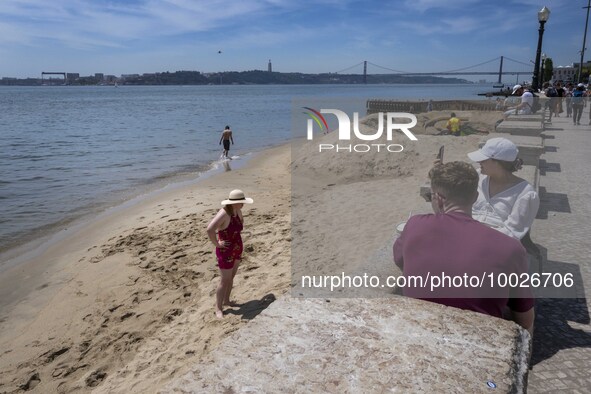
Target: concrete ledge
530 174
525 118
525 128
530 148
364 345
537 118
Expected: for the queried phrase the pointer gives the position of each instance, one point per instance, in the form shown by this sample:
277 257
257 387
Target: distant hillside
254 77
259 77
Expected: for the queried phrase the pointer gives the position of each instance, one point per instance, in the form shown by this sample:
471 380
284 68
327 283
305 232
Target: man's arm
221 138
522 104
231 138
521 299
397 253
525 319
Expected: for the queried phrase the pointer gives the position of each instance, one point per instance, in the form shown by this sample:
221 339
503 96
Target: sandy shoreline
110 303
126 303
28 242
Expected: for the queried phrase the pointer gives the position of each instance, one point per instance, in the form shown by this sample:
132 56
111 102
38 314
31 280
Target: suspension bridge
470 70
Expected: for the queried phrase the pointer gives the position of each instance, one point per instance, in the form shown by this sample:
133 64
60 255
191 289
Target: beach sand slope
127 303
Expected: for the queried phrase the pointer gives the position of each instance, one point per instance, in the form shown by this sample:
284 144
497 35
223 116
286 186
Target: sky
310 36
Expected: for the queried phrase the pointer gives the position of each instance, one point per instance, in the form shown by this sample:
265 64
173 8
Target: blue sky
138 36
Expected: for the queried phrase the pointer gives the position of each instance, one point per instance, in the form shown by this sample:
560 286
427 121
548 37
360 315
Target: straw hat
237 197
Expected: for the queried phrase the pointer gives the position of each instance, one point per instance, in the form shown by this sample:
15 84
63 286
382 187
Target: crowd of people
558 97
523 100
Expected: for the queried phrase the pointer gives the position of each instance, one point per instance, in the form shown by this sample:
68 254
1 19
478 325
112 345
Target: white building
564 73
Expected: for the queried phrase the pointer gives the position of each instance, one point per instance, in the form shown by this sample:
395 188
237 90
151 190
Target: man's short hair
456 180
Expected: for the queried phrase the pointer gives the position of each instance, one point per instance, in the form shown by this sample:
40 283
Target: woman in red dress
224 232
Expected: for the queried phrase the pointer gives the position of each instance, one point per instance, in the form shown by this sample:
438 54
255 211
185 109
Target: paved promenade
561 359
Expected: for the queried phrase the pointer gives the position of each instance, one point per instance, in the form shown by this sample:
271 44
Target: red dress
226 256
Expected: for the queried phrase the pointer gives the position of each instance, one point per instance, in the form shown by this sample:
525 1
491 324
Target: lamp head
543 14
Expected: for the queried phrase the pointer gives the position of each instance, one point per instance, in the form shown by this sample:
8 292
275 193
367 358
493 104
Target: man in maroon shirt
460 260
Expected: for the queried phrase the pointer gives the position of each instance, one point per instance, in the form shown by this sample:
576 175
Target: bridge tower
500 70
365 71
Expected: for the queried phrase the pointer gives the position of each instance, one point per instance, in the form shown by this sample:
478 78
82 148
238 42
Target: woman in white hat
224 232
505 201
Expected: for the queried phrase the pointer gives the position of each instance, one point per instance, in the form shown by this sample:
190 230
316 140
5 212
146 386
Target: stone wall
415 107
365 346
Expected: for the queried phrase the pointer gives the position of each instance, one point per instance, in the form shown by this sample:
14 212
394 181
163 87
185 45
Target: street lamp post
543 16
584 38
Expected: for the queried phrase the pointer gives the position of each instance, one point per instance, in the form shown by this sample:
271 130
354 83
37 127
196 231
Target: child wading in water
224 232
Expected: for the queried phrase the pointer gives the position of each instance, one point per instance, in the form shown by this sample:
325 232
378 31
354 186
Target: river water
70 151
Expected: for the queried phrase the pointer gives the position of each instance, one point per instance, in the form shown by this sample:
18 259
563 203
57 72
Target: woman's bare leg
225 283
229 289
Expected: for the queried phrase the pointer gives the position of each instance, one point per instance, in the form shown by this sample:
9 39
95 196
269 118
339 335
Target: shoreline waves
27 242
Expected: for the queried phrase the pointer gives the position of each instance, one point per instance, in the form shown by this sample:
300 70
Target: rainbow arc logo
318 118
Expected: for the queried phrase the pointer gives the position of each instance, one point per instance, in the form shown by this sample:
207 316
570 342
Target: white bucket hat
516 88
237 197
496 148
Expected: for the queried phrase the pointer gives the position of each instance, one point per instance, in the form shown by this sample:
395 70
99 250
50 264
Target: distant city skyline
116 37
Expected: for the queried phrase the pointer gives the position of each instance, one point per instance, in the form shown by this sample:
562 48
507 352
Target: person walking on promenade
578 103
552 99
560 91
224 232
588 101
568 94
226 138
451 243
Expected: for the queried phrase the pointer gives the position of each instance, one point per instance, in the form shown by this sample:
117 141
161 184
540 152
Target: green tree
548 70
585 71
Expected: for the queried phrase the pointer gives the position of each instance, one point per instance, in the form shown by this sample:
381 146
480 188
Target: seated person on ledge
450 243
526 104
505 201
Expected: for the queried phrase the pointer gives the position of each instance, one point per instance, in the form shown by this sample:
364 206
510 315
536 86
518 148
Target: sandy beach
125 303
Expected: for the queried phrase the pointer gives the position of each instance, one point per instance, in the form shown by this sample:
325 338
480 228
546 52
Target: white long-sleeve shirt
511 211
